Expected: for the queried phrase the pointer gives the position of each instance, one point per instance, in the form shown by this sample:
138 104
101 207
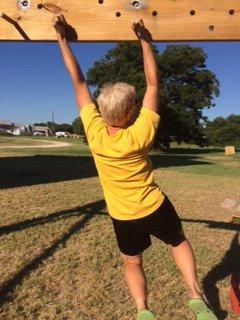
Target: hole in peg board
211 28
118 14
192 12
231 12
154 13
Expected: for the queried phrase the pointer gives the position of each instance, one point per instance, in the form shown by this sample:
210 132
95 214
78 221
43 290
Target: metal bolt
137 4
24 4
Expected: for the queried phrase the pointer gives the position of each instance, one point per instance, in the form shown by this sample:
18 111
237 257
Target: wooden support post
111 20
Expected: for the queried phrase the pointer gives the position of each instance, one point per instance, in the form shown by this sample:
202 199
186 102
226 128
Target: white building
6 126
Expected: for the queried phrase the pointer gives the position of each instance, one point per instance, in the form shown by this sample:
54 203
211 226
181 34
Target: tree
222 132
187 87
65 127
41 124
77 126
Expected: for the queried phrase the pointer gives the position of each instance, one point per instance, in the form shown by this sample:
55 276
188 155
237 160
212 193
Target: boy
120 145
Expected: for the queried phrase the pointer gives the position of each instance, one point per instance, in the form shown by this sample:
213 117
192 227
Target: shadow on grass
27 171
229 265
87 212
167 161
53 217
193 150
215 224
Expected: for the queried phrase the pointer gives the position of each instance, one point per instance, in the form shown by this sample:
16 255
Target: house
6 126
42 130
22 129
18 129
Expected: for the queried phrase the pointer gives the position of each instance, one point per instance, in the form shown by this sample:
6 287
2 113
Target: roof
6 123
40 128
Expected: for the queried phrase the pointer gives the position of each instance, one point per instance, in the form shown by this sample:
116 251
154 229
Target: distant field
5 142
9 141
58 254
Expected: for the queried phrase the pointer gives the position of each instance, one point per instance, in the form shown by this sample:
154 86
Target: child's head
117 104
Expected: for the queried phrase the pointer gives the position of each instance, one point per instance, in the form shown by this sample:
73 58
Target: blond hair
116 103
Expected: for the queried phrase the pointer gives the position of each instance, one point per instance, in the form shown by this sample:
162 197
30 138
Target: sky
34 82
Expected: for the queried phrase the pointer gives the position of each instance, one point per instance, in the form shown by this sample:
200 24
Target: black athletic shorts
133 236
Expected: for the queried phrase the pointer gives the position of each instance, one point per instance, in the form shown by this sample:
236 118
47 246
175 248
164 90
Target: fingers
54 20
138 23
138 27
141 23
134 28
58 19
61 18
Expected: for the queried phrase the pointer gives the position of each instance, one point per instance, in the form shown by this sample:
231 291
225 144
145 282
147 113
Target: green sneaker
145 315
201 310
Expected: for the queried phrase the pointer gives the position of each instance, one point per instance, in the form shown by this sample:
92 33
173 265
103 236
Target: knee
179 240
129 260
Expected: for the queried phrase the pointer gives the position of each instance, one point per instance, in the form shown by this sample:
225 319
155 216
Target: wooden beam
111 20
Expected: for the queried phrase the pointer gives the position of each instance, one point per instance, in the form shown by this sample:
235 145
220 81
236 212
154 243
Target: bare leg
184 259
136 280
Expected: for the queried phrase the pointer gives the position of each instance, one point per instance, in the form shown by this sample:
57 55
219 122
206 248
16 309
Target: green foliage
42 124
222 132
66 127
187 87
77 126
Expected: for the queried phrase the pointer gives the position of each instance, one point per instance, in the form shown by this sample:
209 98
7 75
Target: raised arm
151 98
83 95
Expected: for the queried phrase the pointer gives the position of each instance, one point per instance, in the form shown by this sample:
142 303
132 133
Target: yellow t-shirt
123 163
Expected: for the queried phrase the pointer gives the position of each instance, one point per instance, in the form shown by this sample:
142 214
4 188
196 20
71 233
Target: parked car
63 134
17 132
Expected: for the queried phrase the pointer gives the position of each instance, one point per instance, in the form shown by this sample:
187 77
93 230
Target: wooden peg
50 7
15 24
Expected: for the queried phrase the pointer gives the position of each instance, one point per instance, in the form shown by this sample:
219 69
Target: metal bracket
137 4
24 4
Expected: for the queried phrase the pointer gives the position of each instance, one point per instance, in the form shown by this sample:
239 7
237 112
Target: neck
115 127
111 130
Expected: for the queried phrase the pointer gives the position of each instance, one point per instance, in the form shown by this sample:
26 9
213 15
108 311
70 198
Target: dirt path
47 144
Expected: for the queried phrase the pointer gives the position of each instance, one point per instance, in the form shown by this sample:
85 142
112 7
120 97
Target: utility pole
53 114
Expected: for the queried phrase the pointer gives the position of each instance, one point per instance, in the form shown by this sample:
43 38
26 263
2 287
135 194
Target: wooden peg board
111 20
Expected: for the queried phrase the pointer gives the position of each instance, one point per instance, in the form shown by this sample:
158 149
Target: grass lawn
19 141
58 254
